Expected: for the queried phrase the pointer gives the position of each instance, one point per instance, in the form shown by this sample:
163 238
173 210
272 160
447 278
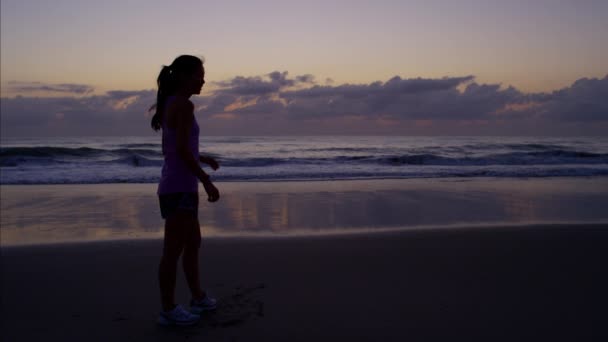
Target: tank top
175 174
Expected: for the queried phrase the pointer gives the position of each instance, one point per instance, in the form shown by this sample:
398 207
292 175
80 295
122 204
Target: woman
178 186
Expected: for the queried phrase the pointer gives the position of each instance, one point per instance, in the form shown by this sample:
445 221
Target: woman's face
194 82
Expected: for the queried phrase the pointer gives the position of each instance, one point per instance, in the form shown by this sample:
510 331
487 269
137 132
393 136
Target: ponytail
164 83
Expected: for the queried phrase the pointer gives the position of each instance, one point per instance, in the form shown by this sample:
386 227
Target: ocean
98 160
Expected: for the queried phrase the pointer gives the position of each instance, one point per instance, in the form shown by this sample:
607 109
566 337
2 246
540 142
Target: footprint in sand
243 304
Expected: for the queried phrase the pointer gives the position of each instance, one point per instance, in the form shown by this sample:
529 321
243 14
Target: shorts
169 203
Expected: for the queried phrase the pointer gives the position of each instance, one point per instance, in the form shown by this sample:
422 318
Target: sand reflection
63 213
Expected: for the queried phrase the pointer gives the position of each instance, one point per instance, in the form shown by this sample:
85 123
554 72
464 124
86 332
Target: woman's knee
193 237
173 243
172 252
193 242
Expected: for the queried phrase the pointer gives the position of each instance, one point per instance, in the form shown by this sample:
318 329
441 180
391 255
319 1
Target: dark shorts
169 203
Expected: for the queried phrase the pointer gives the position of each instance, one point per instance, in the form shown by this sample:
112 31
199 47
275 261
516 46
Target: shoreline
335 234
354 179
63 213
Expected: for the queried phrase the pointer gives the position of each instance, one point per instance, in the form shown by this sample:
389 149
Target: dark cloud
109 114
308 78
397 98
277 103
123 94
585 100
448 98
69 88
258 85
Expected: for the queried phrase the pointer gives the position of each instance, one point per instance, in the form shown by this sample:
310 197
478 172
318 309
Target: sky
476 67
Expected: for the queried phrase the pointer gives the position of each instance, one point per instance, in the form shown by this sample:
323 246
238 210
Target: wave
552 157
140 145
514 146
45 155
137 161
345 149
54 151
146 157
101 178
48 151
226 140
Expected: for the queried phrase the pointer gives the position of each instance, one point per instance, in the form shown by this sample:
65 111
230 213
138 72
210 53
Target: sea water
97 160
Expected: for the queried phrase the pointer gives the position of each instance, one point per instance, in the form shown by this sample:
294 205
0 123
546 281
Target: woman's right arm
184 119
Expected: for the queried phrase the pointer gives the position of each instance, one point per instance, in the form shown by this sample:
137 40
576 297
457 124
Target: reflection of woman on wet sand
178 186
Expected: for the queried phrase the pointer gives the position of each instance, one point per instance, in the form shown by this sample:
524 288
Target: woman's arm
184 120
209 161
184 117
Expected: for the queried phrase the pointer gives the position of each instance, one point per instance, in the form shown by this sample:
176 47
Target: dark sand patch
535 283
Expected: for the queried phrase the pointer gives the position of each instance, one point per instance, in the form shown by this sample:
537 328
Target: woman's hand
213 194
210 161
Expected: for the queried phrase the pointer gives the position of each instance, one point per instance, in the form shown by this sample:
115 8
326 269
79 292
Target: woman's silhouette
178 186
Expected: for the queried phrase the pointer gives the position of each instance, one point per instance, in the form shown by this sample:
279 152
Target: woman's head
186 76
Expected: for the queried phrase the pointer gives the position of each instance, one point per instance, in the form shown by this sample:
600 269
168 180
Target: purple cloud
278 104
259 85
70 88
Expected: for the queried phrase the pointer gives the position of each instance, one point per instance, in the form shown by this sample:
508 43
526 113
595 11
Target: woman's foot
178 316
205 304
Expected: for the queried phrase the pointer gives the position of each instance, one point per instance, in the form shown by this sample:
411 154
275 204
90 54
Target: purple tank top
175 175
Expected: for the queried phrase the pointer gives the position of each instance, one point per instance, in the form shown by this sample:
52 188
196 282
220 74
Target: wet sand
42 214
524 283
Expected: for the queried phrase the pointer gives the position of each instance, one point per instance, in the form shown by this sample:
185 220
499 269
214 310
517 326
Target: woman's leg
190 259
172 248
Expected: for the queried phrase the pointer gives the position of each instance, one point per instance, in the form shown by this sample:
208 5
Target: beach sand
526 283
386 260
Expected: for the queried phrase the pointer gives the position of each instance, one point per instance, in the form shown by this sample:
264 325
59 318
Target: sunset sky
311 67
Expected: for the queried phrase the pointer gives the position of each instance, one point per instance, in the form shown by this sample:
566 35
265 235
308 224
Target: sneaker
205 304
178 316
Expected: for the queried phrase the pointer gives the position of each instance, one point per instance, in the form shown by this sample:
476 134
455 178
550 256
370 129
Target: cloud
276 103
261 85
31 87
585 100
448 98
398 98
109 114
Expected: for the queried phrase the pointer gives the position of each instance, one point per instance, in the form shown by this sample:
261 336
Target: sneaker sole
197 311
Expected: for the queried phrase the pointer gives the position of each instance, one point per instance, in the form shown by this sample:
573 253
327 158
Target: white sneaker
178 316
205 304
